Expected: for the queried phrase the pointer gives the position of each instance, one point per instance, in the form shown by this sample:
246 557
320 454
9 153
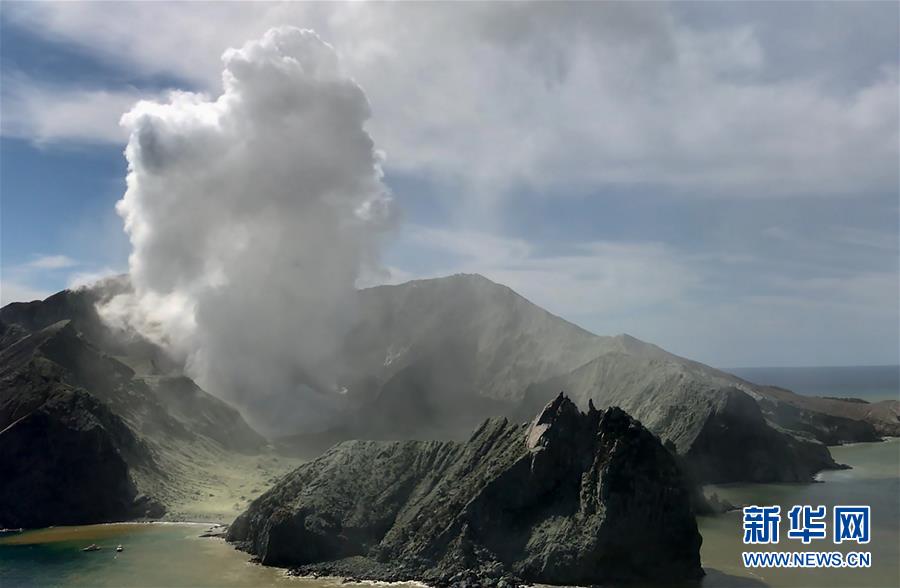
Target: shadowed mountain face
65 463
65 456
83 437
432 357
572 498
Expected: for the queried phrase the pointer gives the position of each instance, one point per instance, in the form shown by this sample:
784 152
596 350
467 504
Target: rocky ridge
84 438
571 498
431 358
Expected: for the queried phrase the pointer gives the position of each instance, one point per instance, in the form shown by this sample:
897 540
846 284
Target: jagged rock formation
83 437
572 498
717 427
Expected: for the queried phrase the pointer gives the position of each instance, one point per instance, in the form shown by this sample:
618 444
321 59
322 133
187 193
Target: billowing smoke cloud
251 216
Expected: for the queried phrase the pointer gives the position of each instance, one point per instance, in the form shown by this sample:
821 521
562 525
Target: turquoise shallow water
155 555
874 481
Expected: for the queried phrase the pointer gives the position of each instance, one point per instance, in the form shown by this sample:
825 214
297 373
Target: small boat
120 548
92 547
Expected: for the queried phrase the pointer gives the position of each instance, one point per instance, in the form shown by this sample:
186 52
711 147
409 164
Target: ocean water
874 481
155 555
872 383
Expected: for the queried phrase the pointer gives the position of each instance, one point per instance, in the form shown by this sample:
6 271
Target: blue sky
720 180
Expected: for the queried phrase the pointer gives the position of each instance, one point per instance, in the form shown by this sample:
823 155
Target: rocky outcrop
156 406
831 420
65 456
736 443
64 464
571 498
10 333
85 438
831 429
718 428
80 308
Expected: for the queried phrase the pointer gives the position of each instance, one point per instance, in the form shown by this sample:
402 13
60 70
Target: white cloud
847 321
684 301
28 281
543 96
491 102
82 279
12 291
50 262
590 279
874 239
48 114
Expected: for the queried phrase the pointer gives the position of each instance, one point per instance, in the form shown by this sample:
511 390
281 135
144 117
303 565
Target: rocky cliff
84 438
64 464
571 498
718 427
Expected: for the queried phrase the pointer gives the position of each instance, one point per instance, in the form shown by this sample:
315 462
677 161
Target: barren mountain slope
433 357
504 341
72 411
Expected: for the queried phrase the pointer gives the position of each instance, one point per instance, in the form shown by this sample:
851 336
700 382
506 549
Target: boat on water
10 531
91 547
120 548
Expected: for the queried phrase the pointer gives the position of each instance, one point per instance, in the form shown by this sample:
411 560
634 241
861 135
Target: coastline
884 439
220 557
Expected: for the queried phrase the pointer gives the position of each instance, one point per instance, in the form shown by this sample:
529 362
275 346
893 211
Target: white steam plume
251 217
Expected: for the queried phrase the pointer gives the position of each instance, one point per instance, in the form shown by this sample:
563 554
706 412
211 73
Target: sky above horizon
720 179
